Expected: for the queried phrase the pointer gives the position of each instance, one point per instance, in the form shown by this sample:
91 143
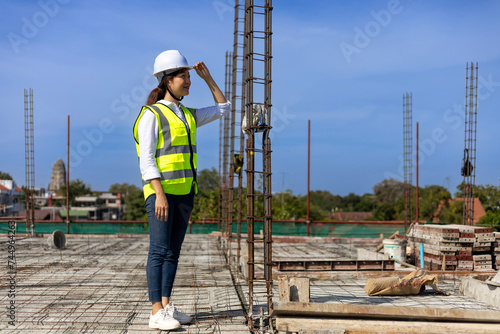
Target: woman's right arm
148 137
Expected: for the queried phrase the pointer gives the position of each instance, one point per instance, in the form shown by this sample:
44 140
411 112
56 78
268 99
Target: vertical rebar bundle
225 164
221 153
238 112
407 157
469 159
258 119
230 178
29 157
223 158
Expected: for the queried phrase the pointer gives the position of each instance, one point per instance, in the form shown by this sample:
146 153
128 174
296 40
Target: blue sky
342 64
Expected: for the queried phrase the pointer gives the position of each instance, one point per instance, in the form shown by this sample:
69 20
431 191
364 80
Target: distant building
9 198
104 205
58 177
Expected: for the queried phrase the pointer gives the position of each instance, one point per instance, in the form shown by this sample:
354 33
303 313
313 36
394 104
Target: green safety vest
175 150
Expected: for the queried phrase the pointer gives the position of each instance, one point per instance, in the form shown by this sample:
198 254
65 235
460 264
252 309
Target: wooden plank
383 312
295 324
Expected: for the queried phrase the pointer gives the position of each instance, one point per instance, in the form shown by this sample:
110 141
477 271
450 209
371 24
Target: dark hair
159 92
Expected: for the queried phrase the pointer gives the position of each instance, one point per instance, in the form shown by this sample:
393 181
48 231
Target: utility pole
67 183
308 172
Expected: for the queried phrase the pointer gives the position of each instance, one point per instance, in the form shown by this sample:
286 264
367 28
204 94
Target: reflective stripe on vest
175 150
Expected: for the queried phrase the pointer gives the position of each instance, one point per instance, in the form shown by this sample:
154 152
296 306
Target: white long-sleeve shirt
148 133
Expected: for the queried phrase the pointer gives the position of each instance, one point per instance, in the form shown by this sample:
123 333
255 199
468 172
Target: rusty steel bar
67 182
469 162
254 104
416 195
238 110
26 161
230 178
29 162
250 144
308 172
225 164
266 143
32 159
405 208
407 157
410 163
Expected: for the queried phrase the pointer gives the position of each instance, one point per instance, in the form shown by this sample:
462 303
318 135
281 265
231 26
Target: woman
165 135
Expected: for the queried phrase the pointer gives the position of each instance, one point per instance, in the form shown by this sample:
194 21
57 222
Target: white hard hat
167 62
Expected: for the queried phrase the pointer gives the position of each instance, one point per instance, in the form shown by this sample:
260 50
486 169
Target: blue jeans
165 241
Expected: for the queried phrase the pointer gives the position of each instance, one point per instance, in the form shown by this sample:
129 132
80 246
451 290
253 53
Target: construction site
417 277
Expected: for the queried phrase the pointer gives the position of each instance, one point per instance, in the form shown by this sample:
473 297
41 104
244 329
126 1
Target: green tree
384 212
431 198
76 188
134 204
491 219
489 196
208 180
452 214
366 204
325 201
350 201
388 191
124 188
287 206
5 176
206 203
133 199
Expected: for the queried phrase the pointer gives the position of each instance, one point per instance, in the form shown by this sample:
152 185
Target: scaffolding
258 120
29 157
407 157
468 170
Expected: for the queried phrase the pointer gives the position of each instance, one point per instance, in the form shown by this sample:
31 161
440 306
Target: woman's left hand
202 70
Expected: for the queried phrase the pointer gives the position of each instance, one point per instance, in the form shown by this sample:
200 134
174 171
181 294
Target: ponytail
158 93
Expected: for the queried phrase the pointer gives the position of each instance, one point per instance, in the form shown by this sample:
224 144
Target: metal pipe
308 171
417 198
422 265
67 183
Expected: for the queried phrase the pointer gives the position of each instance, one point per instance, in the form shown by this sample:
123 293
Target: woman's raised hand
202 70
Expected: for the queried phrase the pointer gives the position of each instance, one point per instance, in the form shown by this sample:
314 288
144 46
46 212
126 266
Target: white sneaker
171 310
162 320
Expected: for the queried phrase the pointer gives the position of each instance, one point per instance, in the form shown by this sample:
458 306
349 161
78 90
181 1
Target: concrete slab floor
98 285
350 290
